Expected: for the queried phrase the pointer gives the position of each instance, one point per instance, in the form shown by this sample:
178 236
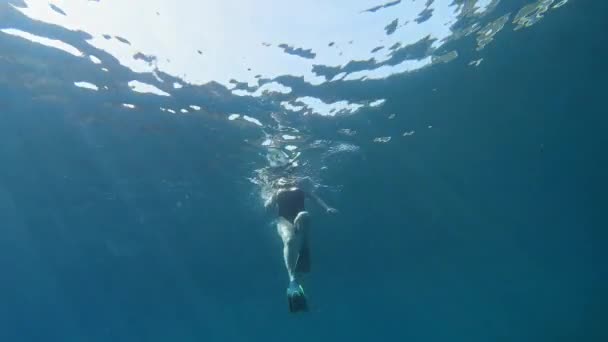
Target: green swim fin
296 298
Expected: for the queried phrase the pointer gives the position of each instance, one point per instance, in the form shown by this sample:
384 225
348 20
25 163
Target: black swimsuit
290 202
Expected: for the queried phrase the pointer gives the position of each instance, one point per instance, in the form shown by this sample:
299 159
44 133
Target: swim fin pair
296 298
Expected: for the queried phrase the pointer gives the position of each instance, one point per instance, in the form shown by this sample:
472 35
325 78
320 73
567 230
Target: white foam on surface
252 120
248 47
94 59
86 85
54 43
145 88
288 106
317 106
266 89
377 103
249 50
382 139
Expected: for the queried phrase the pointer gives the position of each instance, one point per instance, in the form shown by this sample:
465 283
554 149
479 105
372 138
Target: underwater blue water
138 226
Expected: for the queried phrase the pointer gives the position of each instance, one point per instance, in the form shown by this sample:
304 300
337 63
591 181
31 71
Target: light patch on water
392 116
382 139
145 88
241 92
171 111
252 120
195 107
486 35
184 111
155 74
267 142
266 89
232 117
105 69
448 57
407 134
481 6
347 131
531 13
162 109
342 148
274 48
476 62
354 45
560 4
277 157
338 77
389 70
320 143
86 85
57 44
377 103
317 106
94 59
289 137
290 107
128 105
291 147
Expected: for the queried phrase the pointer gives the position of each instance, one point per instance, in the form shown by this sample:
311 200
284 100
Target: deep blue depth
137 226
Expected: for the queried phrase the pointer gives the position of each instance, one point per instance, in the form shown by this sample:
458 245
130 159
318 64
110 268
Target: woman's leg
302 225
293 237
292 242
